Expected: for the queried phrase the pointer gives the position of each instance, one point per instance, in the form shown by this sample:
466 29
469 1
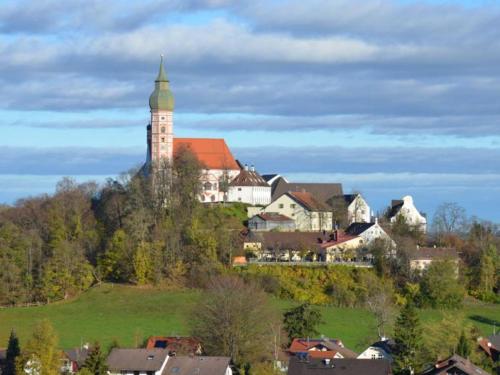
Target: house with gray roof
198 365
455 365
268 221
137 361
73 359
422 257
304 365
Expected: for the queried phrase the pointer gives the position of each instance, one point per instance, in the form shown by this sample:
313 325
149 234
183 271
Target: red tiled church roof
212 153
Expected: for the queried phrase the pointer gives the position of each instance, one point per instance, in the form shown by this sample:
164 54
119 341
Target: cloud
371 160
67 161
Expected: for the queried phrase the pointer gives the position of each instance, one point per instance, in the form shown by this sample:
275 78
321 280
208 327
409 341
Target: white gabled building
249 187
406 208
380 350
370 232
358 210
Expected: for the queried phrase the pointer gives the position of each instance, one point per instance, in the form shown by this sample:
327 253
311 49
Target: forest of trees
53 247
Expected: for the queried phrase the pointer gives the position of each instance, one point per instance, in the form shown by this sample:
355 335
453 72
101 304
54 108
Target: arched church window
163 129
207 186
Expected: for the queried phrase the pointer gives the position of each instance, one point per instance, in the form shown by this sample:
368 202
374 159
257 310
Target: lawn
129 314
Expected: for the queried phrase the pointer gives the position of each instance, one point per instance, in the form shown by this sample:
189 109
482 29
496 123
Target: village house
455 365
335 246
282 246
358 210
405 209
422 257
137 361
157 361
341 247
303 365
73 359
308 213
320 348
491 346
370 232
175 345
198 365
268 221
249 187
382 349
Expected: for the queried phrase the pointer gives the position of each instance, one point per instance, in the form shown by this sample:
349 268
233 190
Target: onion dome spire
161 98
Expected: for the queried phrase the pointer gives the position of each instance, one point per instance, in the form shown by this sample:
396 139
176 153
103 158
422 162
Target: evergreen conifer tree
408 336
302 321
13 352
96 362
463 347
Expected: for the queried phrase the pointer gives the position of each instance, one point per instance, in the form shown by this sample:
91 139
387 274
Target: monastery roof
212 153
248 178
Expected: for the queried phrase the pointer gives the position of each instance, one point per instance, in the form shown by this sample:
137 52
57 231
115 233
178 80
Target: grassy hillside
130 314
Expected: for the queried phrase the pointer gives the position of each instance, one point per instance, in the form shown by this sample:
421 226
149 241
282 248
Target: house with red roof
323 348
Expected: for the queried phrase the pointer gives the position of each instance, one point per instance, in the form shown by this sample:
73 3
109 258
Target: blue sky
388 97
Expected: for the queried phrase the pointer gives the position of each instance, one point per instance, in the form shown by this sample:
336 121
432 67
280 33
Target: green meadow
130 314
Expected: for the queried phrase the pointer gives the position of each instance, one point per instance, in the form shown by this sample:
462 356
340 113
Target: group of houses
304 356
161 356
329 356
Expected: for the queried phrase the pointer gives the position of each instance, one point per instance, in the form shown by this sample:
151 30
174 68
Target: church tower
160 136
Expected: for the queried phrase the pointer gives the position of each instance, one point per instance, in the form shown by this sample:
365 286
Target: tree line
146 227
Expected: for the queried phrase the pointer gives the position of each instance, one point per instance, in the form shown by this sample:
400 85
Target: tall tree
463 346
407 336
13 352
41 352
234 319
440 286
450 218
96 360
302 321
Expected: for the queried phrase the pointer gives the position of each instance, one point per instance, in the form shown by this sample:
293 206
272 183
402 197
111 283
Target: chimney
252 168
246 167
